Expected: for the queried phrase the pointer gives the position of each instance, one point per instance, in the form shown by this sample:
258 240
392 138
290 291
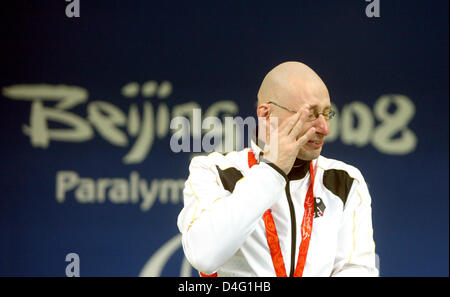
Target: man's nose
322 125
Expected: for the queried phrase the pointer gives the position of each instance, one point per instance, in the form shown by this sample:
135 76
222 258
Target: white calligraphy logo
108 120
355 123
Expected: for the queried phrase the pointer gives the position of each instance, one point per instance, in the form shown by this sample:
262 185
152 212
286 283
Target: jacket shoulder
228 168
328 164
339 177
235 159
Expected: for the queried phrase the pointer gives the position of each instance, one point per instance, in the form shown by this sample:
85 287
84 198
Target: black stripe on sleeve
229 177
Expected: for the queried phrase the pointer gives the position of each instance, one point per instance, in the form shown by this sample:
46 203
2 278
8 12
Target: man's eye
311 116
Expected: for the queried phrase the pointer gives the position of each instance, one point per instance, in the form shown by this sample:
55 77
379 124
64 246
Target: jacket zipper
293 228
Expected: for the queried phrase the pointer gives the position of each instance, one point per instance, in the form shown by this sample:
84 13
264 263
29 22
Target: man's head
292 86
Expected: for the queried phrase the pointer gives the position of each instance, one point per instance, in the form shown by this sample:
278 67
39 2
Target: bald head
291 87
291 81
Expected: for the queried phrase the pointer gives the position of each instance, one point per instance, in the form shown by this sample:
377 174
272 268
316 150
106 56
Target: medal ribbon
306 230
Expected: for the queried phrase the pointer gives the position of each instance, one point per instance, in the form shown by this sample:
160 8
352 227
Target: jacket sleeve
214 222
356 247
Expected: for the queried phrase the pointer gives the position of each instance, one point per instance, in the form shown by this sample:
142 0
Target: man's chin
308 155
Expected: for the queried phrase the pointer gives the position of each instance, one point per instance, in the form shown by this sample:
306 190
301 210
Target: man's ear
263 111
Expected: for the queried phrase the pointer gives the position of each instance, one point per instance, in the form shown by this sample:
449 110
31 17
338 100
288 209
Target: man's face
317 98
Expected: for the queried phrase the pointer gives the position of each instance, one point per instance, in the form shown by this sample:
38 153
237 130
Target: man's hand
286 140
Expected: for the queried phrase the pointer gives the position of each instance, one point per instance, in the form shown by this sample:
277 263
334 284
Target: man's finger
297 128
307 136
289 123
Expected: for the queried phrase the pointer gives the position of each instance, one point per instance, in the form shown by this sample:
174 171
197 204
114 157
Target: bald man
280 208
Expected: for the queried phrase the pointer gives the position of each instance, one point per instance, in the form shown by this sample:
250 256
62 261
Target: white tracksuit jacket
222 220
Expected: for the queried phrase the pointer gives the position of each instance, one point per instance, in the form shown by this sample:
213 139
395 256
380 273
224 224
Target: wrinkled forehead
311 92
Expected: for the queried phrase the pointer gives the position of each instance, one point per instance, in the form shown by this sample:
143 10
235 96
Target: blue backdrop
86 104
